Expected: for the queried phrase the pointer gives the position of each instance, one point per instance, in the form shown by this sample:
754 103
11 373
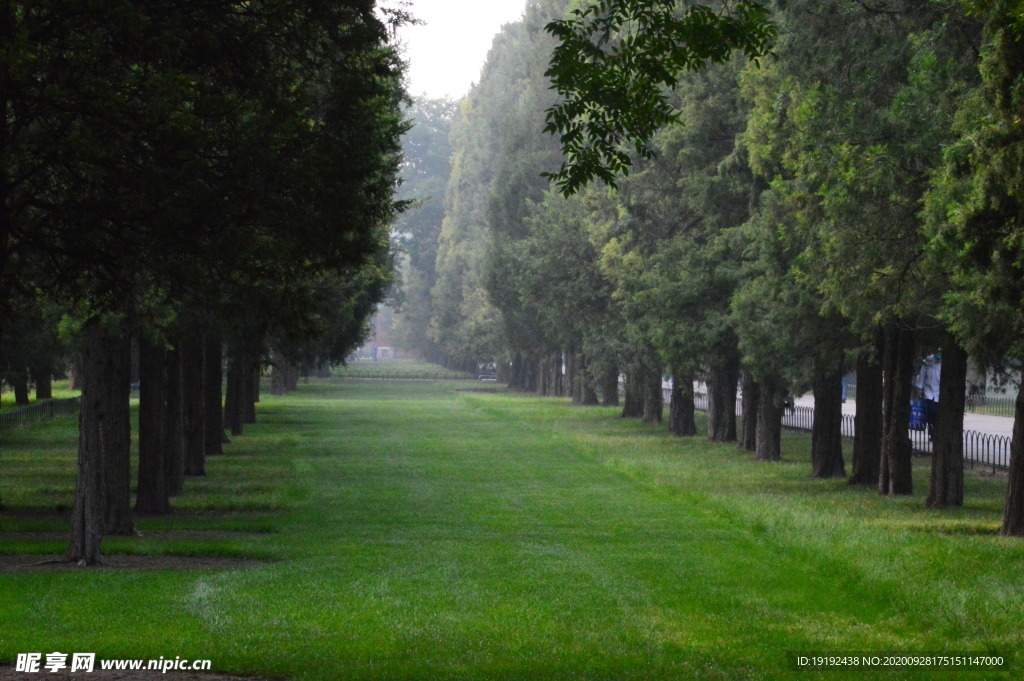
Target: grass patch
398 369
420 533
59 388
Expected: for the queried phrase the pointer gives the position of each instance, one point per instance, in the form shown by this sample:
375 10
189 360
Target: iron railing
993 406
40 411
399 375
985 449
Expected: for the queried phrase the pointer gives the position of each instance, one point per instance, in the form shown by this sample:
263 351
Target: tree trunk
192 403
93 422
151 496
555 373
277 374
680 409
946 487
748 423
570 383
632 403
531 378
251 390
117 512
173 440
213 419
291 377
587 388
827 430
895 474
20 384
516 373
1013 512
654 398
722 379
610 387
75 374
233 399
769 423
42 375
867 424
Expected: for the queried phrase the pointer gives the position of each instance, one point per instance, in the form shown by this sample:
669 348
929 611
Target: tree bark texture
99 436
87 517
192 403
867 424
827 430
43 378
555 374
277 374
748 422
517 373
233 414
543 376
250 389
1013 512
654 398
946 486
75 374
20 384
680 408
174 431
117 512
895 474
588 389
213 419
723 376
769 423
632 402
151 496
570 382
610 387
531 375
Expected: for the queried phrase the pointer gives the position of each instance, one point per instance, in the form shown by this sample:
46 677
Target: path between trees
443 535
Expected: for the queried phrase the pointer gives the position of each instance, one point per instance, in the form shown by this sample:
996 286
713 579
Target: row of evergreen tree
201 177
850 202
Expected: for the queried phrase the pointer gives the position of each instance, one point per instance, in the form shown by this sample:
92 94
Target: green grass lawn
405 368
60 390
416 532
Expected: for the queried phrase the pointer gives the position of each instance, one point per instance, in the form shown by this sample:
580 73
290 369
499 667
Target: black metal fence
399 375
993 406
984 449
40 411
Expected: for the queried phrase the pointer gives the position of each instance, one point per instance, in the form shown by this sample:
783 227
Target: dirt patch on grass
172 535
53 563
8 674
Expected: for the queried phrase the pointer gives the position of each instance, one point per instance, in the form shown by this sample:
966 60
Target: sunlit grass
59 389
419 532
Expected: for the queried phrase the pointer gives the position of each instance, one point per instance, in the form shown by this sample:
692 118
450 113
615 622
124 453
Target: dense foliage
810 189
188 175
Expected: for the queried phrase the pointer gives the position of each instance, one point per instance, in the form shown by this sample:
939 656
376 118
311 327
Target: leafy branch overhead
615 66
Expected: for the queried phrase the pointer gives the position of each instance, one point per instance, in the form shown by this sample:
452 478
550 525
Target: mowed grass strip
424 533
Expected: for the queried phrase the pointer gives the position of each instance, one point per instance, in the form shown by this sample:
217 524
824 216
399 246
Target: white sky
446 55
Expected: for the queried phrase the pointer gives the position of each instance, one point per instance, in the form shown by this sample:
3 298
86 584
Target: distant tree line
184 183
847 200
